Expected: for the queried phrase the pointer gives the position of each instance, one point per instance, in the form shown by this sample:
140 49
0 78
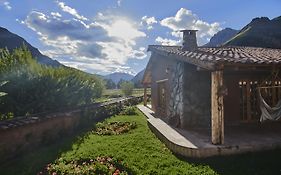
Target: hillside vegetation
12 41
33 88
260 32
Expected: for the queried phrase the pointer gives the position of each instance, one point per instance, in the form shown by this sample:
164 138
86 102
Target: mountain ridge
221 37
117 76
138 78
11 41
260 32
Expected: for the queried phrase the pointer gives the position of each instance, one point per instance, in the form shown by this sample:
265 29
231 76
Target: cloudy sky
105 36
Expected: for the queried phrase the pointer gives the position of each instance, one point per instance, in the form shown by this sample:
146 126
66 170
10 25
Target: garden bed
114 128
98 166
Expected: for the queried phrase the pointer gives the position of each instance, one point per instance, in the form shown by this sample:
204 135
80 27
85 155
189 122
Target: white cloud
119 2
71 11
56 14
125 33
148 22
123 30
167 42
7 5
20 21
102 45
185 19
138 54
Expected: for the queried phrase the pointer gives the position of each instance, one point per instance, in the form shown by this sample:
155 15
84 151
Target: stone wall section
175 108
196 98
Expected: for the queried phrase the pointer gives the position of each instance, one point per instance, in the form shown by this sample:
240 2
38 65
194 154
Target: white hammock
267 112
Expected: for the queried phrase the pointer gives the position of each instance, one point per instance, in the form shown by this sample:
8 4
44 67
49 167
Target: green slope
260 32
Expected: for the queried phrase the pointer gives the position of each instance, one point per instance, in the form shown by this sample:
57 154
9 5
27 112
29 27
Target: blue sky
105 36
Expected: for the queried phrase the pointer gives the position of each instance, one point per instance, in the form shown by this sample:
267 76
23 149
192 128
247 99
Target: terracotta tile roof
214 55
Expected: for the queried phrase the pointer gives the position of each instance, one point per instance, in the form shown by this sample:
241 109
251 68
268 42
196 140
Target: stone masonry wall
175 108
196 98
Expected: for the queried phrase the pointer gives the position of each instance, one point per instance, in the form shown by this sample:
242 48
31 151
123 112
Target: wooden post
248 87
273 94
217 108
279 91
145 95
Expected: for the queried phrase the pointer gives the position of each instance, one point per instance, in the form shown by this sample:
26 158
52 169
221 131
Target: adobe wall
196 98
24 134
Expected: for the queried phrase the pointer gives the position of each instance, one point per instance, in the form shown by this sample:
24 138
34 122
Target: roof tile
253 55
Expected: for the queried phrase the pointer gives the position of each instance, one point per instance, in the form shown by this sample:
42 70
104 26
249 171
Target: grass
144 154
139 148
115 93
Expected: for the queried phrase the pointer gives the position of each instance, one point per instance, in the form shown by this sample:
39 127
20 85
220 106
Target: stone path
170 133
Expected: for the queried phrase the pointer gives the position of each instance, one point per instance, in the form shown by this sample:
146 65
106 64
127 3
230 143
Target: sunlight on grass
142 151
116 93
139 148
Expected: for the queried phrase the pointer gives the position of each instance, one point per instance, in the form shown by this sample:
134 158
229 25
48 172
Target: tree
109 84
120 82
127 88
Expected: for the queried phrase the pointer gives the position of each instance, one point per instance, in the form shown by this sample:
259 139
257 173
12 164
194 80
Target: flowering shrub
99 166
114 128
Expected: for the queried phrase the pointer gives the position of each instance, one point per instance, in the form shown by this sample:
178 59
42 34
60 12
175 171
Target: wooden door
162 98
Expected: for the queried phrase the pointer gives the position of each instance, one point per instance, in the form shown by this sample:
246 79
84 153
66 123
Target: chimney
189 40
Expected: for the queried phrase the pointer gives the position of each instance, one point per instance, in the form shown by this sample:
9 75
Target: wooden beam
217 108
145 95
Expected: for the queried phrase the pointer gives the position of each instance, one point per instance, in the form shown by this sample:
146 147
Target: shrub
6 116
2 93
127 88
129 110
34 88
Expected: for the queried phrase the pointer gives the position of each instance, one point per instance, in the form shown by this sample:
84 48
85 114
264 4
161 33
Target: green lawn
144 154
115 93
140 149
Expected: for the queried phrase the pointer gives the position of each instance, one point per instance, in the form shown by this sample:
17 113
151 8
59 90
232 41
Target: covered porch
235 103
238 94
239 138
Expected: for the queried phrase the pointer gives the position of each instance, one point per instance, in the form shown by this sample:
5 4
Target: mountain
117 76
221 37
260 32
12 41
138 78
